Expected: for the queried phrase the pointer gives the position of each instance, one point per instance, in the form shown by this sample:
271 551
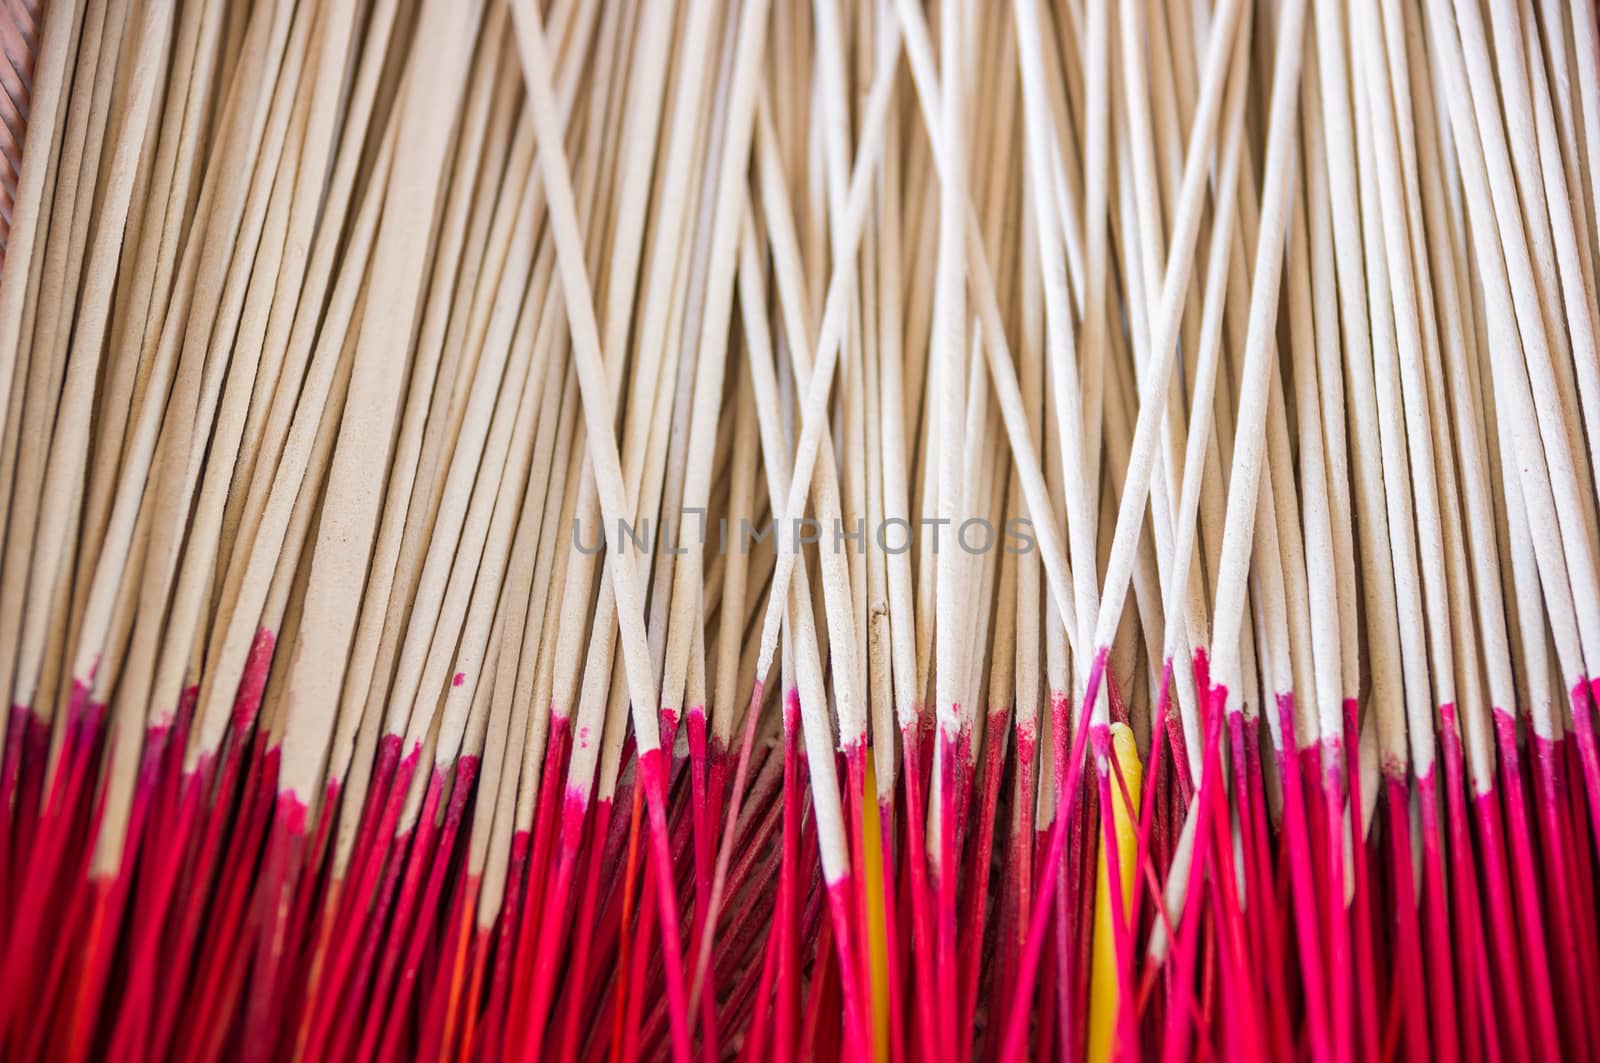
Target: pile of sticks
561 529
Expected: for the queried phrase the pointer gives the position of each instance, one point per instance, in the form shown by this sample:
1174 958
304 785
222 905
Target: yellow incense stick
877 952
1103 1000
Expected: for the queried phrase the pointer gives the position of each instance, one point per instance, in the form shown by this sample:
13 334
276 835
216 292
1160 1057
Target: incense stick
332 329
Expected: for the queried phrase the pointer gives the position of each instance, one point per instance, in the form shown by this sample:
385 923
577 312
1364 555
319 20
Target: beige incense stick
1459 348
996 348
1143 282
501 368
289 345
1516 110
1164 337
1218 262
596 401
1556 418
1511 385
1563 209
411 517
655 442
1028 670
1328 377
533 672
152 230
508 723
1377 584
735 596
877 626
456 656
45 388
1386 424
1069 387
1306 318
150 49
1287 504
1586 46
1244 477
1474 724
834 321
1396 292
70 446
662 295
831 834
30 583
242 610
344 536
1519 570
468 272
198 392
730 177
51 72
1096 44
892 420
836 590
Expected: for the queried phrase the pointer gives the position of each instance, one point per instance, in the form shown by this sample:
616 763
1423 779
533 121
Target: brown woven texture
19 43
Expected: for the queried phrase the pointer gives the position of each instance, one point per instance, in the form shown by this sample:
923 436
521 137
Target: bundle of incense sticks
577 530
